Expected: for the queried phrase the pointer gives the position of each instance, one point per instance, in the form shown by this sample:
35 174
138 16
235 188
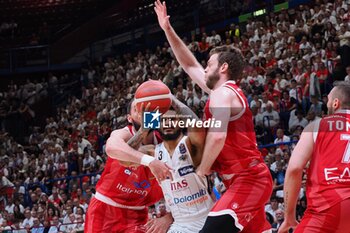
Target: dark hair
343 93
234 59
128 107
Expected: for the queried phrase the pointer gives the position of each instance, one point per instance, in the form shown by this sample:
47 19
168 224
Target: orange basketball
154 92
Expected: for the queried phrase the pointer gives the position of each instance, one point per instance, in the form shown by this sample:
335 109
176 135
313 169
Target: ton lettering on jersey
338 125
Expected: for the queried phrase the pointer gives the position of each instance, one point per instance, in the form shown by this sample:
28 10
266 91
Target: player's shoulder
222 90
221 94
123 133
311 126
125 130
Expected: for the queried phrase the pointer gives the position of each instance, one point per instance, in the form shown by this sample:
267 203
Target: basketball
154 92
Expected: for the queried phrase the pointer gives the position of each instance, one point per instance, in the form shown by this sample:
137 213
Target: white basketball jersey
187 195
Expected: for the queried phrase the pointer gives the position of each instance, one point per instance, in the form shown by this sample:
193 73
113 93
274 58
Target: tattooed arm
301 155
123 146
135 142
183 109
139 136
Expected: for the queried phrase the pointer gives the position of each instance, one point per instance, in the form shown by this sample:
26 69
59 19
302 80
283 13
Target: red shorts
245 200
334 219
102 217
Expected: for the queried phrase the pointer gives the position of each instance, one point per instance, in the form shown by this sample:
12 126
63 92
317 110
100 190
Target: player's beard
213 79
170 137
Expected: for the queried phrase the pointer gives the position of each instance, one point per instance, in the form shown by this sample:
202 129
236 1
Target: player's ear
224 67
129 118
336 103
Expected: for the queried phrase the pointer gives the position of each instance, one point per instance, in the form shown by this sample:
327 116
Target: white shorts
188 227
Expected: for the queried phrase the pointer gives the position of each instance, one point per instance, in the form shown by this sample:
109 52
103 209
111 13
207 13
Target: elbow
112 151
294 171
109 150
219 138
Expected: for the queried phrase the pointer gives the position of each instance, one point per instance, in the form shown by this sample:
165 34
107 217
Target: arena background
69 67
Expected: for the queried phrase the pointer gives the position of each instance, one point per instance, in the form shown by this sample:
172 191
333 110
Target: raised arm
196 136
183 55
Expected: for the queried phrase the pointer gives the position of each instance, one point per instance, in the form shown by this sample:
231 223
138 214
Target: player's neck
220 83
172 144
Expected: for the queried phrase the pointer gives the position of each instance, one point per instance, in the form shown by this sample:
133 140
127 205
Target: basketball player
124 191
230 150
187 196
326 144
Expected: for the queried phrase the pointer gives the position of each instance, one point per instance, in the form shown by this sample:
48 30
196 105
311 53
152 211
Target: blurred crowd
8 28
292 58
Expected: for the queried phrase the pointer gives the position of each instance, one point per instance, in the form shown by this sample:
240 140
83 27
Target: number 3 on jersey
160 155
346 156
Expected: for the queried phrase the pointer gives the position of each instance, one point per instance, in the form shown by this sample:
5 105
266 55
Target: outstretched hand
163 17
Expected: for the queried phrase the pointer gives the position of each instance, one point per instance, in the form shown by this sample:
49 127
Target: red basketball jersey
240 150
328 177
130 186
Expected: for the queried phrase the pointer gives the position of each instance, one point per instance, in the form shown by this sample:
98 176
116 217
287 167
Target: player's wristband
146 160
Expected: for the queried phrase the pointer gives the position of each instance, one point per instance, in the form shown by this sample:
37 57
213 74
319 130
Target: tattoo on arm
286 200
136 140
182 109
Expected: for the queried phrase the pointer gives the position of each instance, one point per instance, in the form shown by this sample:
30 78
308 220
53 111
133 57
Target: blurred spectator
316 106
347 77
161 210
279 220
214 39
55 225
281 137
273 207
29 220
69 225
265 101
279 176
79 223
37 226
271 118
83 144
297 119
344 37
